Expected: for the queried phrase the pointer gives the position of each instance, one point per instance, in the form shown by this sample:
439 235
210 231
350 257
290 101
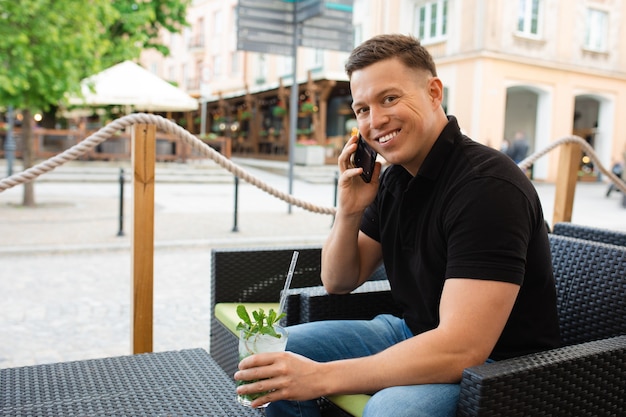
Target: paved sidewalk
65 274
78 208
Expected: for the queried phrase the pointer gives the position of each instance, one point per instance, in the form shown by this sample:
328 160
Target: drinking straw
283 295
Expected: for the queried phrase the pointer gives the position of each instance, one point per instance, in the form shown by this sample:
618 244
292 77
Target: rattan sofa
586 377
612 237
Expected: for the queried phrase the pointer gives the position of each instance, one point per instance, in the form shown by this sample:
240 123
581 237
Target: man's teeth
387 138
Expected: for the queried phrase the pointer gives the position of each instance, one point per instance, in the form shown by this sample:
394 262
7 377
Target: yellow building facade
544 68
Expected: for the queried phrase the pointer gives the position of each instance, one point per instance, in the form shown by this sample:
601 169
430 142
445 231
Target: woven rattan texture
591 288
185 383
583 380
224 347
611 237
258 275
371 299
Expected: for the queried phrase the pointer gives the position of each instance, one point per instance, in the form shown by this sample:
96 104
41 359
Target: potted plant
245 115
279 110
307 107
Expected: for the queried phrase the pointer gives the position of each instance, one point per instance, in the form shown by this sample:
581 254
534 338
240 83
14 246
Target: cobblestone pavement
65 273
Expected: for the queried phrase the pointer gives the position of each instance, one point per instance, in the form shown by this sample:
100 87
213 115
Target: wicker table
183 383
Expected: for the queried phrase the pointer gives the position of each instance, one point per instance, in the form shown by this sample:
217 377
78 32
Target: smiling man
462 236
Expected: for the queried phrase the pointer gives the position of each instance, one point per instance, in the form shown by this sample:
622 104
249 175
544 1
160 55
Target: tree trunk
28 157
49 120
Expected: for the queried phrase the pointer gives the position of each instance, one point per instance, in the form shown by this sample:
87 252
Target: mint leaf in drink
261 323
243 314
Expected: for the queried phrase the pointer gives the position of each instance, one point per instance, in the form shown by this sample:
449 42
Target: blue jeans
331 340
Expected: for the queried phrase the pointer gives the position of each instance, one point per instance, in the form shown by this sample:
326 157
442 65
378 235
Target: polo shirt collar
441 150
396 178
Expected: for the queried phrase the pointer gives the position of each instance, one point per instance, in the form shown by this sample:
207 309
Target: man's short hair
404 47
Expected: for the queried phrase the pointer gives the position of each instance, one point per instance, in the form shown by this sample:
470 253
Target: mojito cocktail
249 344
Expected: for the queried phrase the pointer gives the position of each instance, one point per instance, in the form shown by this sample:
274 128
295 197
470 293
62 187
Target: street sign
326 23
338 9
263 36
267 26
266 14
333 45
246 23
280 5
265 48
308 8
318 33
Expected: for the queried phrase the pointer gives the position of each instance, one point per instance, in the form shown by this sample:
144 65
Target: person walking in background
618 170
518 150
504 146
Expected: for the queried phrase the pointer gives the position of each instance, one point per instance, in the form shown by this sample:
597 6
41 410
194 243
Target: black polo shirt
469 213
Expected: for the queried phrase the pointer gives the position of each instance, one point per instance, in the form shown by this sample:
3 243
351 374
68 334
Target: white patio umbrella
128 84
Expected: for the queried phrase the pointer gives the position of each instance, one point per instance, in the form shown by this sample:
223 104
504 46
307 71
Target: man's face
398 111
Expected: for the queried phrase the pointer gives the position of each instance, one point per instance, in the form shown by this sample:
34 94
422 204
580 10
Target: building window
198 40
431 21
286 66
318 58
234 63
187 36
261 69
528 18
185 75
218 22
217 65
596 30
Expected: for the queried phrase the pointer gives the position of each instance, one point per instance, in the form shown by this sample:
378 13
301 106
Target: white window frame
218 22
218 63
286 66
235 67
596 30
529 12
431 21
261 69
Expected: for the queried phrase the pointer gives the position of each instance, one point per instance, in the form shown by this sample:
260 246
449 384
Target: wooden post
567 175
144 157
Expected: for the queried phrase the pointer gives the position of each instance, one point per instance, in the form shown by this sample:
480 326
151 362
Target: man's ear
435 90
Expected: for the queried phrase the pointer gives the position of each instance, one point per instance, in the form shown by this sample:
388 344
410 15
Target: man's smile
388 137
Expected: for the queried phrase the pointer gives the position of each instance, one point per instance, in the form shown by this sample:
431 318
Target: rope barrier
164 125
586 147
167 126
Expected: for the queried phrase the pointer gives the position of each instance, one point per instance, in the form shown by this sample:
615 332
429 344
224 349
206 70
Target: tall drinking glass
249 344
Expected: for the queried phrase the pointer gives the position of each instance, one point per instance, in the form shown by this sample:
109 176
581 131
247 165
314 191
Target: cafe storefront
257 123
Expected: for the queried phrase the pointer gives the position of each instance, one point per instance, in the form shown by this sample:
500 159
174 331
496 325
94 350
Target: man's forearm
340 255
408 363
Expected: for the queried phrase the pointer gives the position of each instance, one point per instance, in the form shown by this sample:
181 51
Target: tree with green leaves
48 46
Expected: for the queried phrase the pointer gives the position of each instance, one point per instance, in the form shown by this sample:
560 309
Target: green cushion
353 404
226 313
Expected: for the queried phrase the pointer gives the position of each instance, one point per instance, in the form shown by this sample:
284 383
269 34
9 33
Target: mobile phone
364 157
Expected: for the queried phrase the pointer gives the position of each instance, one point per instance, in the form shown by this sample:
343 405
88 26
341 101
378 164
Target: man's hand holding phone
354 193
364 157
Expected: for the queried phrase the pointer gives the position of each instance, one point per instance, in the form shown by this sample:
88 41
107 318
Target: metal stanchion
9 145
235 228
120 231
